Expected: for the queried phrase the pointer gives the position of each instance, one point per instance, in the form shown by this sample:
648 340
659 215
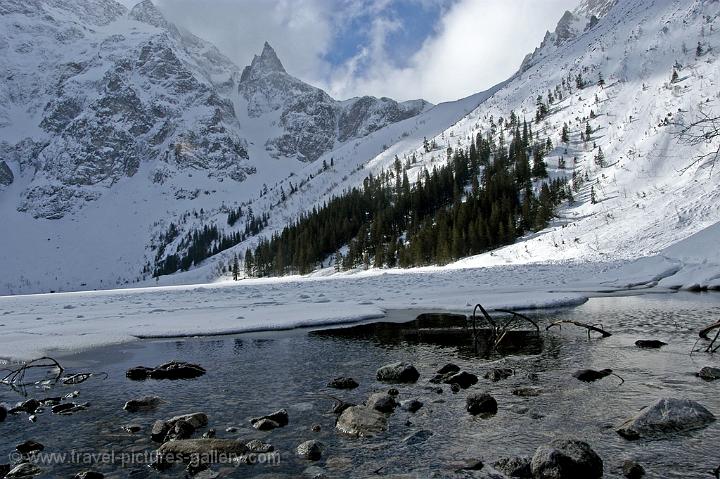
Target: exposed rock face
361 421
6 174
665 417
566 459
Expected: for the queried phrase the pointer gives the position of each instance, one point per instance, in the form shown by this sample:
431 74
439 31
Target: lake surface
255 374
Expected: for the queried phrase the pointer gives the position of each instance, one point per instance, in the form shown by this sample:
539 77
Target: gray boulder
280 418
398 373
311 450
666 416
381 402
207 448
709 374
147 403
481 403
632 470
514 466
361 421
23 470
566 459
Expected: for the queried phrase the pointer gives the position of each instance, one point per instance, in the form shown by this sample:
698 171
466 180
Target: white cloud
476 43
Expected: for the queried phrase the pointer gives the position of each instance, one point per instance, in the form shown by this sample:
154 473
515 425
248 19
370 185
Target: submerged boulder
481 403
277 419
343 383
381 402
632 470
590 375
398 373
462 379
709 374
566 459
411 405
146 403
666 416
207 448
498 374
172 370
514 466
178 427
649 344
361 421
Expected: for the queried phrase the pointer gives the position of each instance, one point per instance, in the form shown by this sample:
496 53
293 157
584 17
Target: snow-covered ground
33 325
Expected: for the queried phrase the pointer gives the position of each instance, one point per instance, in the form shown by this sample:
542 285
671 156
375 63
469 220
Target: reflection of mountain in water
444 330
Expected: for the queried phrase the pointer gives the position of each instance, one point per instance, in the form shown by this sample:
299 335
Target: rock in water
207 448
707 373
311 450
29 447
381 402
257 446
146 403
499 374
566 459
590 375
449 369
632 470
462 379
398 373
361 421
649 344
23 470
89 475
3 413
279 417
178 427
481 403
417 437
171 370
411 405
514 466
343 383
666 416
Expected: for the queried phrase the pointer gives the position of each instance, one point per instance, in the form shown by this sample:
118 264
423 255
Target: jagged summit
147 12
267 62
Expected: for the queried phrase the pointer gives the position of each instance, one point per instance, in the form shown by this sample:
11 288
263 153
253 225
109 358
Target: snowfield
34 325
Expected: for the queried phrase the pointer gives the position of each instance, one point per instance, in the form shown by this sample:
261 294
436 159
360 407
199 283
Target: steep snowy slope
115 123
648 189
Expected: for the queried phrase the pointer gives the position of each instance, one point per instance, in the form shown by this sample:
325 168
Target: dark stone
566 459
265 425
279 417
132 428
69 408
514 467
159 431
590 375
398 373
209 434
311 450
481 403
3 415
381 402
257 446
180 430
462 379
411 405
146 403
172 370
316 428
649 344
449 369
29 406
472 466
527 392
666 417
89 475
455 388
343 383
393 392
632 470
4 469
499 374
709 374
29 447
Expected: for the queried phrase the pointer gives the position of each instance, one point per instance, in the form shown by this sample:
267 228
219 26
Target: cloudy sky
434 49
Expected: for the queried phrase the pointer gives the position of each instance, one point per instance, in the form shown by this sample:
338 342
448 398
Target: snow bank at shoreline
33 325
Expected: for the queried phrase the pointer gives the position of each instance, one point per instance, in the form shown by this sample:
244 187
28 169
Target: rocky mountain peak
147 12
267 62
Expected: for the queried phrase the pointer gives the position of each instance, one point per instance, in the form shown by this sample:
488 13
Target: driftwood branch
16 377
714 344
589 327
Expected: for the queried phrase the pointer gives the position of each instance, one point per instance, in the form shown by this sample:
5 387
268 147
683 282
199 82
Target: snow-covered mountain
297 147
115 122
609 63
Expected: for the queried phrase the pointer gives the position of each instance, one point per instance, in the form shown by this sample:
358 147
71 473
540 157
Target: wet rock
393 392
343 383
29 447
259 447
69 408
514 466
472 465
265 425
23 470
172 370
4 469
666 416
498 374
89 475
417 437
209 434
207 448
311 450
316 428
361 421
279 418
649 344
147 403
178 427
632 470
159 431
315 472
196 419
51 401
455 388
231 429
462 379
566 459
180 430
527 392
398 373
449 368
436 390
481 403
3 414
381 402
590 375
709 374
29 406
411 405
132 428
32 418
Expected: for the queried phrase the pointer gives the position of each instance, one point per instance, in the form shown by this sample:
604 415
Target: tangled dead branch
702 131
589 327
714 344
499 330
16 377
